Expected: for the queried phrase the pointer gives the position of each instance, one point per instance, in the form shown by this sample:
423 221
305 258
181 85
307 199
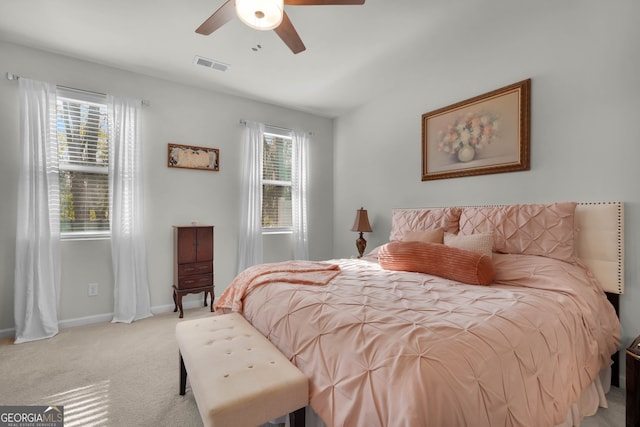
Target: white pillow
481 243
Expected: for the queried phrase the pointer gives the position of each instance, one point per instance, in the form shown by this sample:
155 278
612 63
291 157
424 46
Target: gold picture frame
489 133
193 157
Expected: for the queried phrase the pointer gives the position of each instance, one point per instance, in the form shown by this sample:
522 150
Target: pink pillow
439 260
433 236
403 220
535 229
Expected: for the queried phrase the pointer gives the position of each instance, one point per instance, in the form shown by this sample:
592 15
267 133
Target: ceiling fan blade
289 35
321 2
224 14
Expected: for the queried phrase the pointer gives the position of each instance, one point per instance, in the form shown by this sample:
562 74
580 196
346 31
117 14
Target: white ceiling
352 51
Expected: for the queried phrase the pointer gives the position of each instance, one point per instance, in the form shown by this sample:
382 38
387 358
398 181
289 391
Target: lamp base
361 244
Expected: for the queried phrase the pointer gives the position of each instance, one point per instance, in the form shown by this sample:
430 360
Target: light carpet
106 374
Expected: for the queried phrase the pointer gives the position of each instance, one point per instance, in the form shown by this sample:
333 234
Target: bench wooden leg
183 377
296 419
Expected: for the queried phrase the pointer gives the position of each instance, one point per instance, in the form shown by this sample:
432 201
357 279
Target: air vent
210 63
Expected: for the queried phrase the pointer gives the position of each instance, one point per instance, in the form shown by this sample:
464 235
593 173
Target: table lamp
361 225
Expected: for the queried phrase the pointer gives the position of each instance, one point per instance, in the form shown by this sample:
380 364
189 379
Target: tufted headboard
599 242
598 231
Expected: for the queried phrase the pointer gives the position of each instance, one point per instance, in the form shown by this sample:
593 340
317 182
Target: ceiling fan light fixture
260 14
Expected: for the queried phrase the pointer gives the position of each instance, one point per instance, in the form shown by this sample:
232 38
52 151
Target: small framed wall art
192 157
482 135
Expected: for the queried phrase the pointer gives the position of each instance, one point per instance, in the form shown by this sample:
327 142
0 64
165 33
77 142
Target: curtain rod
11 76
243 122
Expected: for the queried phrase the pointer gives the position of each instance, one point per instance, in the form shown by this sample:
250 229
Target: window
276 182
83 156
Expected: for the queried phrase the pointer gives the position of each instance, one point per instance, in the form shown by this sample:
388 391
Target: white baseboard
105 317
169 307
87 320
7 333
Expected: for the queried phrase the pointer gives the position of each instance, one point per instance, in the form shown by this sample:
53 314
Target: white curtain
250 241
299 177
128 252
37 268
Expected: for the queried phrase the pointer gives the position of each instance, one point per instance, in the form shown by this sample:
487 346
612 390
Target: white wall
179 114
583 60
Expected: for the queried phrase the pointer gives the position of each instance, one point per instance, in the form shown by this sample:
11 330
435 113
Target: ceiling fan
266 15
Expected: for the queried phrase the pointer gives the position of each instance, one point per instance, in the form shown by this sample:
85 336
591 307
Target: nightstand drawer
195 268
195 281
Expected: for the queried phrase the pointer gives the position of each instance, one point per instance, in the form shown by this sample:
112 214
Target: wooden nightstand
192 263
633 384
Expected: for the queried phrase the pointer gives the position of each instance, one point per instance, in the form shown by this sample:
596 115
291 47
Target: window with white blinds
276 182
83 154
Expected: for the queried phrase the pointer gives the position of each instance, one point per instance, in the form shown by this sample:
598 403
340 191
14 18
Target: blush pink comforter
388 348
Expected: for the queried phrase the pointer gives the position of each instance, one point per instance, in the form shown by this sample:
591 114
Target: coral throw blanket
299 272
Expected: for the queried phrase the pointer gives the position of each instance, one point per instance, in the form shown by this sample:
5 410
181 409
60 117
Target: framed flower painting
486 134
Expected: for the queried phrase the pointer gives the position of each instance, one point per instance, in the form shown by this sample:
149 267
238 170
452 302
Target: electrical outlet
93 289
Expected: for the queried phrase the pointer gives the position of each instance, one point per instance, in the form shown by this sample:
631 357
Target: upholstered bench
238 378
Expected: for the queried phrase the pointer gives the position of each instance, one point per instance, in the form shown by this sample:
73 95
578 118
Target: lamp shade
260 14
362 221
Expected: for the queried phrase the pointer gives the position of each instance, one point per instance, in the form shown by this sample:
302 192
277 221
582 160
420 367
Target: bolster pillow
439 260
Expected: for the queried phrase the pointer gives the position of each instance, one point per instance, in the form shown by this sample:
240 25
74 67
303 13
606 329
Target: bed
414 334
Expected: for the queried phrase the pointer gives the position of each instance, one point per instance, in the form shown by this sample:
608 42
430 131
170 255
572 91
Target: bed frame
600 245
